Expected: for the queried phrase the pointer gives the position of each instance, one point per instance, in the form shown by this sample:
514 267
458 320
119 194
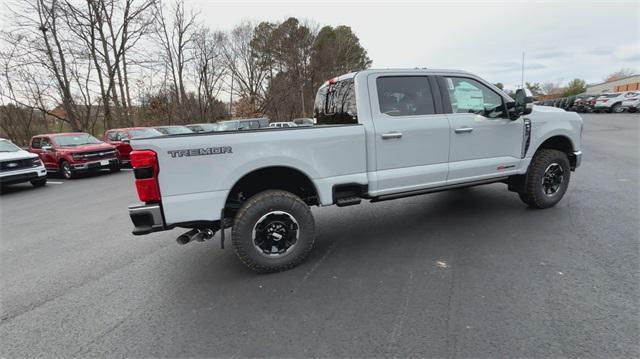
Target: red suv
69 153
121 137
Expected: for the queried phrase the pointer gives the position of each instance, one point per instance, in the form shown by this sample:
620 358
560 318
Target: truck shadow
358 231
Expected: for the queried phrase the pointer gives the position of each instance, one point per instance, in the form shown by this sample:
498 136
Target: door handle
463 130
390 135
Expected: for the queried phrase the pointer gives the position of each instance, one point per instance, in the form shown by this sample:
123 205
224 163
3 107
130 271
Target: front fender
549 124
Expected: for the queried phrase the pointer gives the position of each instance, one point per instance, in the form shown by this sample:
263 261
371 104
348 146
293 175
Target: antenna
522 80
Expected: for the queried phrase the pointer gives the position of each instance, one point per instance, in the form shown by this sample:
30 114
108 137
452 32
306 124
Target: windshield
174 130
6 146
76 140
144 132
228 126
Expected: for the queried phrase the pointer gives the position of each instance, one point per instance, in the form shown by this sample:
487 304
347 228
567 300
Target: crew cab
121 137
18 166
379 135
73 152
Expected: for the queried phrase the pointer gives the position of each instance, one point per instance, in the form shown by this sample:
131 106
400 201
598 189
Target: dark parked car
569 103
203 127
243 124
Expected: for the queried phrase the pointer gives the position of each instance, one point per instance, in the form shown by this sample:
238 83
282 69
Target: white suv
18 165
610 102
631 101
282 124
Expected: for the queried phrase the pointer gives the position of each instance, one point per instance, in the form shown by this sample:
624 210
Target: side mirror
126 141
47 148
524 102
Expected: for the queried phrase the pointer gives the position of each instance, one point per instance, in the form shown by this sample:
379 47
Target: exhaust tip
187 237
183 239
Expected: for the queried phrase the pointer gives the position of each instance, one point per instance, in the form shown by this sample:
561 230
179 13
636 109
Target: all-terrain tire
543 162
255 213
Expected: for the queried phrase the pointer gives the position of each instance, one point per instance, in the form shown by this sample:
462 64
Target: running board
388 197
348 201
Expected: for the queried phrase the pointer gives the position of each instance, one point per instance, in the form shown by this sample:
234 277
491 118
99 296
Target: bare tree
176 35
44 55
245 65
209 70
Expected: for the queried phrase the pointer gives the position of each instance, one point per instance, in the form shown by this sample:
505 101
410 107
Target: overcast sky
562 40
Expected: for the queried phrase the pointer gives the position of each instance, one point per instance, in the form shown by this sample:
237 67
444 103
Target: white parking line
53 182
126 169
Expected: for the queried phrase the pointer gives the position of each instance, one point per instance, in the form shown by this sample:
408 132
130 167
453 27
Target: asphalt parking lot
467 273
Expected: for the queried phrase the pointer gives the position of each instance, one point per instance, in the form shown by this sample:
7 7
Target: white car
282 124
631 101
18 165
610 102
379 135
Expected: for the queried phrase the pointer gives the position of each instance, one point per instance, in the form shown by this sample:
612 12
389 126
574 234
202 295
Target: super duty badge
200 151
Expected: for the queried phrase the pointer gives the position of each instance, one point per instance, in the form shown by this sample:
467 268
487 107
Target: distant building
624 84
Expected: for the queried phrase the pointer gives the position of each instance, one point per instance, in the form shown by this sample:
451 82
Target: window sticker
450 84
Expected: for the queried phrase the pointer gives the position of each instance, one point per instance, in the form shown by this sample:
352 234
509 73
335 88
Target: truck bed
204 167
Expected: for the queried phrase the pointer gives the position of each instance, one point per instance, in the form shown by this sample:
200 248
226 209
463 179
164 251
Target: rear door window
405 96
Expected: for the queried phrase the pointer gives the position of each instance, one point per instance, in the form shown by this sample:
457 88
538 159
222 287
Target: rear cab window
405 96
36 142
335 103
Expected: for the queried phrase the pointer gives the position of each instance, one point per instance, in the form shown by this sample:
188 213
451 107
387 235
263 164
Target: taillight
145 169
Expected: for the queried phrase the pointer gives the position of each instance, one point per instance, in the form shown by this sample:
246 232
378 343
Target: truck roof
392 70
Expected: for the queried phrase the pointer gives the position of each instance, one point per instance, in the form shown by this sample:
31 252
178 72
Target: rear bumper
146 218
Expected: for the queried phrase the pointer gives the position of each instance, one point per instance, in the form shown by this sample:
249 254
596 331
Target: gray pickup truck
378 135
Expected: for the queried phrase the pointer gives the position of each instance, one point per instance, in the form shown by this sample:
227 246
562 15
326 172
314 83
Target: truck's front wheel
547 179
273 231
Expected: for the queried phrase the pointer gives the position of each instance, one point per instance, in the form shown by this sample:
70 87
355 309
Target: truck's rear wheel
547 179
273 231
